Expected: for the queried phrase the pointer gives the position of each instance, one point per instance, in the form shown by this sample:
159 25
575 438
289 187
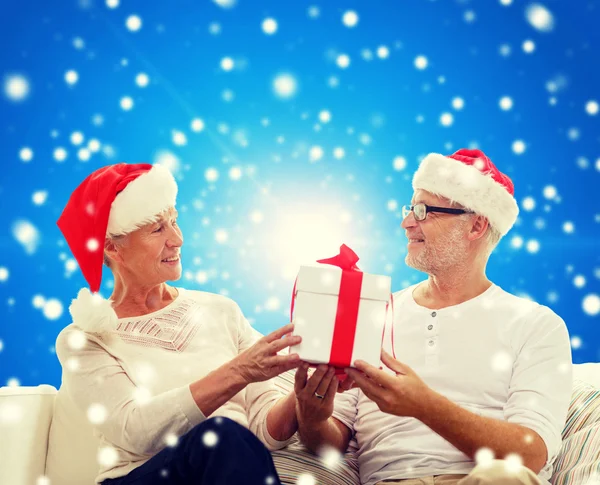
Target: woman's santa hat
114 200
470 178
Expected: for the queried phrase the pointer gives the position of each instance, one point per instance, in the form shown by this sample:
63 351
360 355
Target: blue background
272 207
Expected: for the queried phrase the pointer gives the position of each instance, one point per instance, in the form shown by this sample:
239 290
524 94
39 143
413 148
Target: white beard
448 251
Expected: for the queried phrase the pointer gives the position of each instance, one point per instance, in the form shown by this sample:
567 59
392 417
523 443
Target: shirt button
429 327
433 314
431 343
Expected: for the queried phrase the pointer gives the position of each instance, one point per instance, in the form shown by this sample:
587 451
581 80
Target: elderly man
480 373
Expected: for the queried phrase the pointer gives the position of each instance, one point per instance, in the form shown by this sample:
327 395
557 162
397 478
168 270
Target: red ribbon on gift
346 318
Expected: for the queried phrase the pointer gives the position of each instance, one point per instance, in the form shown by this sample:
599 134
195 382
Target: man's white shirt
497 355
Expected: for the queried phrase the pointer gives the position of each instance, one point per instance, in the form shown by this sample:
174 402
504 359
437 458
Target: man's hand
402 394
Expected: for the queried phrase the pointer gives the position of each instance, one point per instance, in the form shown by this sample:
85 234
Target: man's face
438 242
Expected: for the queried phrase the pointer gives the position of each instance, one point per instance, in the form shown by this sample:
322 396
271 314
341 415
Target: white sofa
28 419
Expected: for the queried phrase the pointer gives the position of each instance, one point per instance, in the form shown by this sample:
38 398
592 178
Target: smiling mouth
170 260
416 240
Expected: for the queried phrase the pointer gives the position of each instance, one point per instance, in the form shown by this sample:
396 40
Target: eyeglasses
420 211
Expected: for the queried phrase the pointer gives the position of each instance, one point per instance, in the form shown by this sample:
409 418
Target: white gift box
315 310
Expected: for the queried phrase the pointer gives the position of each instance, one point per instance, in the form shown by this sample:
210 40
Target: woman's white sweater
134 382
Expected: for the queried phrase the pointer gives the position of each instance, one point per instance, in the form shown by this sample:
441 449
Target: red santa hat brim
468 186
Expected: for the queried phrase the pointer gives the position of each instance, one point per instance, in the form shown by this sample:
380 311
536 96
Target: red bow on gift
347 259
346 318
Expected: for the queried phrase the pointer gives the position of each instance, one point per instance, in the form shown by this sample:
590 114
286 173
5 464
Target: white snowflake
285 86
399 163
350 18
550 192
339 153
126 103
84 154
506 103
92 245
539 17
575 342
142 79
458 103
533 246
484 456
178 138
315 153
306 479
97 413
107 456
513 462
235 173
518 147
330 456
324 116
210 439
568 227
528 203
528 46
421 62
227 64
383 52
592 108
27 235
343 61
591 304
171 440
211 174
225 3
446 119
197 125
71 77
53 309
16 87
26 154
269 26
133 23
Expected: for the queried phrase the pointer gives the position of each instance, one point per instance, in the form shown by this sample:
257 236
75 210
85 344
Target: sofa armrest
25 417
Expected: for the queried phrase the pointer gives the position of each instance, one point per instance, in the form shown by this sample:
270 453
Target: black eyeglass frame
431 208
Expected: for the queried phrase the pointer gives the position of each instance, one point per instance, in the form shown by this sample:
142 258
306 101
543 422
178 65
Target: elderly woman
150 365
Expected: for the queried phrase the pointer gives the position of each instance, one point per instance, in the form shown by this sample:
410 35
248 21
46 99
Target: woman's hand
261 362
315 394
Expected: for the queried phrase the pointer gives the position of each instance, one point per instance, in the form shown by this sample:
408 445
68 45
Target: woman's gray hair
118 239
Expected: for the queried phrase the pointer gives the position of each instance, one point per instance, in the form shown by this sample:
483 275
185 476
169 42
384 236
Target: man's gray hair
492 235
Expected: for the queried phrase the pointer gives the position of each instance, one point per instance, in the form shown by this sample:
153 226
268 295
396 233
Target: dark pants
218 451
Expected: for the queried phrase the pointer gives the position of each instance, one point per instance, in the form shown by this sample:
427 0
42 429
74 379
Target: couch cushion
25 416
578 461
589 372
72 447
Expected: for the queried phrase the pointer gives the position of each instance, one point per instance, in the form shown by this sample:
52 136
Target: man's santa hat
114 200
470 178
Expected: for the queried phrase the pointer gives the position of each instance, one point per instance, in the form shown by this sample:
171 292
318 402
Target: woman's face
152 254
